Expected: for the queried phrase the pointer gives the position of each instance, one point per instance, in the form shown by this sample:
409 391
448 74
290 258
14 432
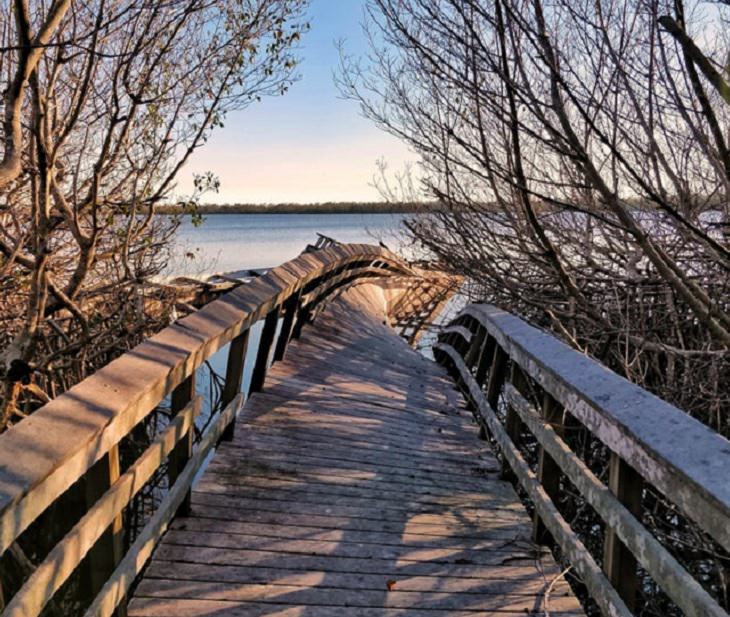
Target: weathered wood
351 473
658 440
598 586
486 354
181 453
234 376
548 471
106 553
116 587
291 308
268 331
619 562
36 467
475 347
68 553
679 585
512 423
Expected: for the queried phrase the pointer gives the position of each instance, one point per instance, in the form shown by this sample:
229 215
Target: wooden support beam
262 356
512 422
475 346
303 315
291 308
497 376
486 354
548 471
619 563
181 453
108 550
234 376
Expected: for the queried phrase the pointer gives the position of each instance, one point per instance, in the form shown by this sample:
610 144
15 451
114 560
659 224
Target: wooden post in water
619 563
234 376
183 450
262 357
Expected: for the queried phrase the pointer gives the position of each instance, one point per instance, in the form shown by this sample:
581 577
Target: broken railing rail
76 436
495 356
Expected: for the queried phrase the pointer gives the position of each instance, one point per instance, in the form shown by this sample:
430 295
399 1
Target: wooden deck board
355 485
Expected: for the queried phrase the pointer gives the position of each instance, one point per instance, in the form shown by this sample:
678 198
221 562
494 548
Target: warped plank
355 485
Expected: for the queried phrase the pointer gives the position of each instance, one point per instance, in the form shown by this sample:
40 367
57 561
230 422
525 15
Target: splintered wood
355 485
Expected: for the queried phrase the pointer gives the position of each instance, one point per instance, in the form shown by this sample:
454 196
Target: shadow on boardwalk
355 485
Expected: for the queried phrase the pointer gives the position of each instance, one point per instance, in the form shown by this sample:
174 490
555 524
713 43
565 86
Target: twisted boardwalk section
355 485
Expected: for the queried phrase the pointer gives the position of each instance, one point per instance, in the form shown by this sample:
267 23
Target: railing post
262 357
475 348
291 307
548 471
486 354
619 563
512 420
183 450
497 375
106 554
234 377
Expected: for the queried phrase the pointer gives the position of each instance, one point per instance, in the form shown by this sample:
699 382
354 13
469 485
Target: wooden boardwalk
355 485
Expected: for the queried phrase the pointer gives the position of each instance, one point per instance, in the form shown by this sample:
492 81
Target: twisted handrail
544 385
75 437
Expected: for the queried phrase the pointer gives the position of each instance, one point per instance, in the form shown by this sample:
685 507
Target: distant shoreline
323 208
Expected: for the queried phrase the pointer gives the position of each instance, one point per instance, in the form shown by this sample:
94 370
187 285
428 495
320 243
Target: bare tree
578 151
104 102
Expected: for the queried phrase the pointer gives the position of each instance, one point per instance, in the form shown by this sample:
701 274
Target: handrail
650 442
77 434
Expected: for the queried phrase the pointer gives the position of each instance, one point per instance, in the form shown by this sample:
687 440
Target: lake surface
229 242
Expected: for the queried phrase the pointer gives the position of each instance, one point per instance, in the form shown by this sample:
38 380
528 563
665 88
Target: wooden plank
234 376
263 353
506 527
658 440
183 450
60 563
510 580
548 471
36 467
303 595
291 307
357 466
619 562
107 551
154 607
484 361
116 587
512 424
661 565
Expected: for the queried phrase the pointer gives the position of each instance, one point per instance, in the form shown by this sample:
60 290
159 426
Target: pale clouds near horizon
309 145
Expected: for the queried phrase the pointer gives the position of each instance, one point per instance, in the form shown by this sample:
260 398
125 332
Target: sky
310 145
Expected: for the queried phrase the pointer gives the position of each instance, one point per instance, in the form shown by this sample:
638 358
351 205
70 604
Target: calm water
228 242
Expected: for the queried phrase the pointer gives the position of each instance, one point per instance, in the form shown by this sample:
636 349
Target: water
229 242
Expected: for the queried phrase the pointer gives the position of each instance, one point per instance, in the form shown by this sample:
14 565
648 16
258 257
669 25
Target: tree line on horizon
381 207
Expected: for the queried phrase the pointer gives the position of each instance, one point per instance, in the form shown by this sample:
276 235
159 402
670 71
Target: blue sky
309 145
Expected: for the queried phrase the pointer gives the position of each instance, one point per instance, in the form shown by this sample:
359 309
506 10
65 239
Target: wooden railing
517 378
74 440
